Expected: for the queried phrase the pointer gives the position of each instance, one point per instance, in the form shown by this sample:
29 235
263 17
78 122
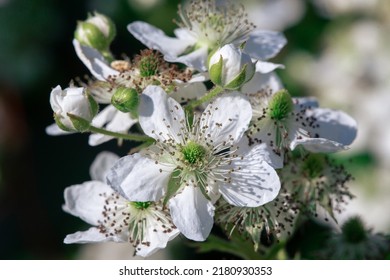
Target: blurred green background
337 51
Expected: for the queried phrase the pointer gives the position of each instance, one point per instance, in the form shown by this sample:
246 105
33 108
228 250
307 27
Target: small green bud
125 100
98 31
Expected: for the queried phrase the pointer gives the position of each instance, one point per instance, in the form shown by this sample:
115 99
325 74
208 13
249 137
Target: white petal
92 235
192 213
334 125
199 77
188 91
160 116
114 120
260 81
101 165
139 178
318 145
54 130
155 38
264 44
158 240
267 67
305 103
255 184
84 200
104 116
185 35
335 131
94 61
196 59
227 118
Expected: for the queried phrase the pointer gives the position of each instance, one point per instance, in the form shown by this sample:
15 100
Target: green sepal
80 124
173 185
57 119
215 72
239 80
93 105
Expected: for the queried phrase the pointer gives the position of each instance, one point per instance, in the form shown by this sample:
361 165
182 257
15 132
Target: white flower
230 68
146 225
283 123
205 26
192 167
73 108
276 219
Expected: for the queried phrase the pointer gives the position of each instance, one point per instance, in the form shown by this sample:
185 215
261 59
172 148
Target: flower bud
73 108
230 68
125 100
98 31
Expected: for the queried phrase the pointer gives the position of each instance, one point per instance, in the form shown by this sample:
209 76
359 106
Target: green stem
207 97
132 137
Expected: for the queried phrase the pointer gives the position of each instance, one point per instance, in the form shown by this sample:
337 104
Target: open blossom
283 123
272 220
193 165
205 26
317 184
146 225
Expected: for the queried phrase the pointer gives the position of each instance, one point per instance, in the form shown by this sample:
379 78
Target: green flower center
354 231
193 152
141 205
148 63
313 166
280 106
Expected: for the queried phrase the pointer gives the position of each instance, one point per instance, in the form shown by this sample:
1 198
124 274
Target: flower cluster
207 154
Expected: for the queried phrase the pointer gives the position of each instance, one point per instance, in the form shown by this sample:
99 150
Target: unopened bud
230 68
98 31
125 100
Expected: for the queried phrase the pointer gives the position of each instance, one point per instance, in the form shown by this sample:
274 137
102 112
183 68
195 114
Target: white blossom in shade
193 165
205 26
317 184
283 123
272 220
146 225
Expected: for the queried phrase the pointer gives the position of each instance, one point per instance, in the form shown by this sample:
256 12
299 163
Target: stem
207 97
132 137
